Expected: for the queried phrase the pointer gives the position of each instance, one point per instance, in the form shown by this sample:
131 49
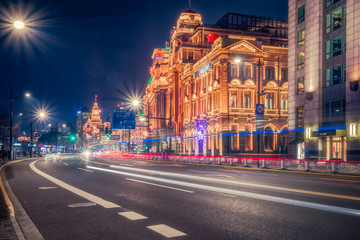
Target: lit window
301 13
269 101
334 19
335 75
300 87
300 117
301 60
284 102
233 99
301 37
247 99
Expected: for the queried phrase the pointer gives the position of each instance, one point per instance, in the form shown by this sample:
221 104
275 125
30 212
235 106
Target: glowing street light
27 95
19 24
42 115
136 103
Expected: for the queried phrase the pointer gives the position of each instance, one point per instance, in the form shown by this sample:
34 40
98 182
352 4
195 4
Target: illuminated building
324 63
94 127
206 83
82 117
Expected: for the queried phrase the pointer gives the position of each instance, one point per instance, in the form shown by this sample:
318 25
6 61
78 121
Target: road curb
22 224
263 169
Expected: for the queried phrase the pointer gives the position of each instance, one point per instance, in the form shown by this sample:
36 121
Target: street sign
123 119
259 112
259 109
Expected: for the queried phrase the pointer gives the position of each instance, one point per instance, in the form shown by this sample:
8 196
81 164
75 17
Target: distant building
82 117
94 128
324 74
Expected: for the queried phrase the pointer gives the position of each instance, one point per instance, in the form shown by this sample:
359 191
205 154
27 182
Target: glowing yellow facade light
308 133
19 24
237 60
352 129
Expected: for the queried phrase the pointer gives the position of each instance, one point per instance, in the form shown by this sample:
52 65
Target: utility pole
257 122
31 134
11 124
170 119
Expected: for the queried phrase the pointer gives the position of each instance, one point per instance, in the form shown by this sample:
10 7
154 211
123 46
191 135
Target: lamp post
259 125
11 98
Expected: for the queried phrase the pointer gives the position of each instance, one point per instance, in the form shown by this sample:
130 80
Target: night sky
87 47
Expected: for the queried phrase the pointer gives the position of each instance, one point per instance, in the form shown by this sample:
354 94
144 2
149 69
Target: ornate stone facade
203 89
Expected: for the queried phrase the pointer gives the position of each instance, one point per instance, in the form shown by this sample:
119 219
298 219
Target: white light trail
287 201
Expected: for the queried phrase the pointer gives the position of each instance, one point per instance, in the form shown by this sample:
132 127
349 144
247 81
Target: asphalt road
71 198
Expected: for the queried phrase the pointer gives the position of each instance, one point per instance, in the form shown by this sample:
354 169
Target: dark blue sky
103 47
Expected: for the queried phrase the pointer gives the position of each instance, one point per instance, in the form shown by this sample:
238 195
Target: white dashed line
166 231
159 185
83 169
132 215
66 164
46 188
77 191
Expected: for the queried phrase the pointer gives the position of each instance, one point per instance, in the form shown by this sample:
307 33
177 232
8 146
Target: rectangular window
301 37
270 73
247 99
336 46
247 71
301 13
331 2
334 20
300 117
300 86
269 101
233 99
284 102
335 75
284 74
234 70
300 60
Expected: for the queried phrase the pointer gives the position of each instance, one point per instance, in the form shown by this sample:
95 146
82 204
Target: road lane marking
341 180
77 191
125 164
86 204
159 185
46 188
186 176
282 200
66 164
132 215
166 231
86 170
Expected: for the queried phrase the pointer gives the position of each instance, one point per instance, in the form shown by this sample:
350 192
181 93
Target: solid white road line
282 200
159 185
77 191
132 215
66 164
86 170
166 231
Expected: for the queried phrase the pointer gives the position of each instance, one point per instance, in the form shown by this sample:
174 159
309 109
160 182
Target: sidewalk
7 231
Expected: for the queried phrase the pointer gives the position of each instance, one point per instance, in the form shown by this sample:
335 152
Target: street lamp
19 24
136 102
11 98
